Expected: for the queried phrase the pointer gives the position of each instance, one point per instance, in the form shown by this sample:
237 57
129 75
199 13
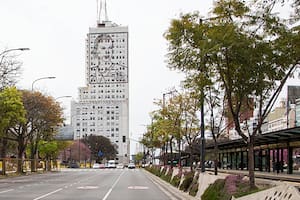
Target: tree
11 112
139 157
9 69
190 126
101 147
43 116
172 112
250 52
48 150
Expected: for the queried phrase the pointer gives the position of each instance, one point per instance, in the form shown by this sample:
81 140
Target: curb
171 191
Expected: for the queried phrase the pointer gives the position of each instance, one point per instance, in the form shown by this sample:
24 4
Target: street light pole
36 150
16 49
62 97
166 146
48 77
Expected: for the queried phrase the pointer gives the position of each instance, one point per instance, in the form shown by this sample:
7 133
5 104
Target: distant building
103 105
297 110
65 133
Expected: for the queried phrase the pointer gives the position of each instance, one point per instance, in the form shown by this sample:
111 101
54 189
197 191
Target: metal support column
277 160
242 160
290 159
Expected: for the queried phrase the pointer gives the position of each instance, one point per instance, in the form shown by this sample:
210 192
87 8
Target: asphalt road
83 184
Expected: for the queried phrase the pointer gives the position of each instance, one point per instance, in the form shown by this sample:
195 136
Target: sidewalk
171 191
264 175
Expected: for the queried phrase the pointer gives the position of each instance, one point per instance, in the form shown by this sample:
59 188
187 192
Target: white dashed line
6 191
112 187
48 194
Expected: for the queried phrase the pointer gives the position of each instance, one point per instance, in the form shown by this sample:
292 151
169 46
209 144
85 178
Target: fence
10 165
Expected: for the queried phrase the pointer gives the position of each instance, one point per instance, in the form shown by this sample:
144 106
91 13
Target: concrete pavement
79 184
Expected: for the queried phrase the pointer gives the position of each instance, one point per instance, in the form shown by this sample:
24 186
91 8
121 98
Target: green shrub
167 177
224 189
215 191
176 180
188 179
163 171
154 170
193 189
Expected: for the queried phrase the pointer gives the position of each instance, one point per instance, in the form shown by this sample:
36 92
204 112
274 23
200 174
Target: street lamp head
63 97
24 49
48 77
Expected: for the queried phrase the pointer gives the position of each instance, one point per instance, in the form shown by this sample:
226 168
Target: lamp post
48 77
62 97
166 146
16 49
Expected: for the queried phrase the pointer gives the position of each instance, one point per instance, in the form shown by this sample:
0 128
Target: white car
96 166
111 164
131 166
120 166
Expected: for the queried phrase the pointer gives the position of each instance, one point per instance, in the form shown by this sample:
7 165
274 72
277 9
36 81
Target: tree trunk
251 162
171 152
20 160
179 151
191 161
216 160
33 159
3 155
166 154
191 158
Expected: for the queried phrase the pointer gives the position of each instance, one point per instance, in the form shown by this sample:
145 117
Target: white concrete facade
103 104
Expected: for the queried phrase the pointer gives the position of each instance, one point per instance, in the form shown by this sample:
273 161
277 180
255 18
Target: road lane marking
138 187
87 187
112 187
48 194
6 191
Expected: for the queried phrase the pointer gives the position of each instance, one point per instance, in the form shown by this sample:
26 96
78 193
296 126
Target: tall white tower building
102 106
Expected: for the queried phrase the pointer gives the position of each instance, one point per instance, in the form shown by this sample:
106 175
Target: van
111 164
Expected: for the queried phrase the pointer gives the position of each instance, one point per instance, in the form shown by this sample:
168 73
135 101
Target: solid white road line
112 187
45 195
6 191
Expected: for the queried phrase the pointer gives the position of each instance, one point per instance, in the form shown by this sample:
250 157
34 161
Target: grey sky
55 31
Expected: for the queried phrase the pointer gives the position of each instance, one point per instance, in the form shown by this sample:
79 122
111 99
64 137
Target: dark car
74 165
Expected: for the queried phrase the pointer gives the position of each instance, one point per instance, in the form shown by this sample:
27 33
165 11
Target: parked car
96 166
111 164
131 166
74 165
101 166
120 166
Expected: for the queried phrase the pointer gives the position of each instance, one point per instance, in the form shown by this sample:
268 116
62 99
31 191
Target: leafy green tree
100 144
151 139
43 116
250 52
11 112
139 157
48 150
190 126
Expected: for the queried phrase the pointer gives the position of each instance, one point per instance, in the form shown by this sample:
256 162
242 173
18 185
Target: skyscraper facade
102 106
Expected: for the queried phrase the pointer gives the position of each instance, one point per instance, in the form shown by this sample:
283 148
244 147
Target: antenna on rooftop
99 11
106 18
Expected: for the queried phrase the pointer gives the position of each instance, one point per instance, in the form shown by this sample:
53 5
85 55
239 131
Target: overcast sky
55 31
